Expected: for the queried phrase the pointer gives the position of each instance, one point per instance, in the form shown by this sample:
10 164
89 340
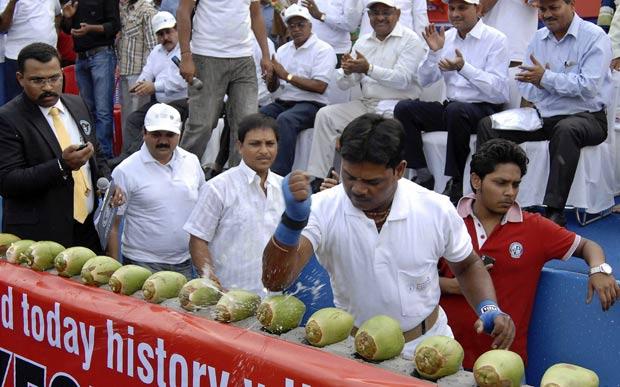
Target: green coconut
40 255
198 293
129 279
328 326
280 313
98 270
499 368
5 242
379 338
438 356
17 249
236 305
69 262
162 286
569 375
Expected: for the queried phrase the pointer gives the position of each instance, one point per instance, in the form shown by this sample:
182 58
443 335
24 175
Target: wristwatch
322 18
602 268
289 77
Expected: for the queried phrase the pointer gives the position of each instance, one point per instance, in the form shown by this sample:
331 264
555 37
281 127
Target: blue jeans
292 118
11 87
95 77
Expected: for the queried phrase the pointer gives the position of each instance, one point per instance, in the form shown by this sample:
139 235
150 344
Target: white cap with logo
389 3
163 20
162 117
296 10
474 2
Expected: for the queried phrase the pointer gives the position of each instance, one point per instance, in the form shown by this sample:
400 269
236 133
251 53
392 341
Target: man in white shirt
221 57
380 237
303 68
25 22
159 79
385 64
238 211
414 15
161 183
472 58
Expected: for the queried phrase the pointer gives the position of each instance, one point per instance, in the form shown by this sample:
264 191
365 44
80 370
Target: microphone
102 186
197 83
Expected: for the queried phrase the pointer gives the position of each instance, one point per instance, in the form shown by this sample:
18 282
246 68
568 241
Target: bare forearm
282 264
474 280
113 249
201 256
6 18
184 23
311 85
449 285
258 27
591 252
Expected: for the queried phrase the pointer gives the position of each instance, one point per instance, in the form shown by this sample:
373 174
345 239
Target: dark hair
497 151
41 52
256 121
375 139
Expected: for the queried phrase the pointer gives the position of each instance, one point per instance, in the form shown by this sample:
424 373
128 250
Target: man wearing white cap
472 58
385 64
159 79
161 183
302 70
413 15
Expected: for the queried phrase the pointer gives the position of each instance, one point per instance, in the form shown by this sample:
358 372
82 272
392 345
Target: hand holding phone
487 260
82 146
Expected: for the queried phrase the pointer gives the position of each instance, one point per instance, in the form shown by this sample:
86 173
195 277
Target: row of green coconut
379 338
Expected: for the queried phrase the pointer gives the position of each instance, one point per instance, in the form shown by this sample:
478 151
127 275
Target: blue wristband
296 210
286 235
487 310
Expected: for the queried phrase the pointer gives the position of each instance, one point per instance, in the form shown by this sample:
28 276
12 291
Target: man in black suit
47 179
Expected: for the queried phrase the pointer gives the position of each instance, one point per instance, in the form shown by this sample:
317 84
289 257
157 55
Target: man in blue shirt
566 76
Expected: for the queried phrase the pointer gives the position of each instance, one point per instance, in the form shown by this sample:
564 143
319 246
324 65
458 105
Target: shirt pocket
414 289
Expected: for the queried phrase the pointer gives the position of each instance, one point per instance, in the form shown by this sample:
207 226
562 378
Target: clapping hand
455 64
434 39
532 74
278 69
358 65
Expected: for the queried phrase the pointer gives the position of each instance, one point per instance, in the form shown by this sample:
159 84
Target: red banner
56 332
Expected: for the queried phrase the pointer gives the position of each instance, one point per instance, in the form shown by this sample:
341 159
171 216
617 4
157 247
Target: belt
418 330
92 52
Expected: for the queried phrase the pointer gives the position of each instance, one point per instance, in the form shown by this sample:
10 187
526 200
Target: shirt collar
398 210
465 208
573 29
251 174
398 30
59 105
146 156
477 31
307 44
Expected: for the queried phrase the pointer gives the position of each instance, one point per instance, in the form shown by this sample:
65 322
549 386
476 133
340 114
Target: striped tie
80 186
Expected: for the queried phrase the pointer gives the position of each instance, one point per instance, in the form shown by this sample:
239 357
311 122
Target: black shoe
556 215
454 190
315 184
428 183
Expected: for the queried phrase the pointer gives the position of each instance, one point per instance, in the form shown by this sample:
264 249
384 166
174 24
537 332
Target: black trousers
459 119
567 134
85 234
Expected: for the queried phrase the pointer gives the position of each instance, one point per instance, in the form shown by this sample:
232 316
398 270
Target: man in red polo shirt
519 242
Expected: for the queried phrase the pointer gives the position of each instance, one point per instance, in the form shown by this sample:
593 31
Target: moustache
47 94
162 146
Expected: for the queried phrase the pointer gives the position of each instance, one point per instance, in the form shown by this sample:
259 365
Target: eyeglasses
42 81
376 13
293 26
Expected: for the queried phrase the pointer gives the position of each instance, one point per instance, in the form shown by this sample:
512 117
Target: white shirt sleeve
491 80
120 180
312 231
429 71
324 65
206 215
404 73
148 73
347 17
458 244
419 15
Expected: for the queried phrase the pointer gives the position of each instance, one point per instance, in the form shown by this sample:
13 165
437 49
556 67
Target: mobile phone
82 146
329 174
487 260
